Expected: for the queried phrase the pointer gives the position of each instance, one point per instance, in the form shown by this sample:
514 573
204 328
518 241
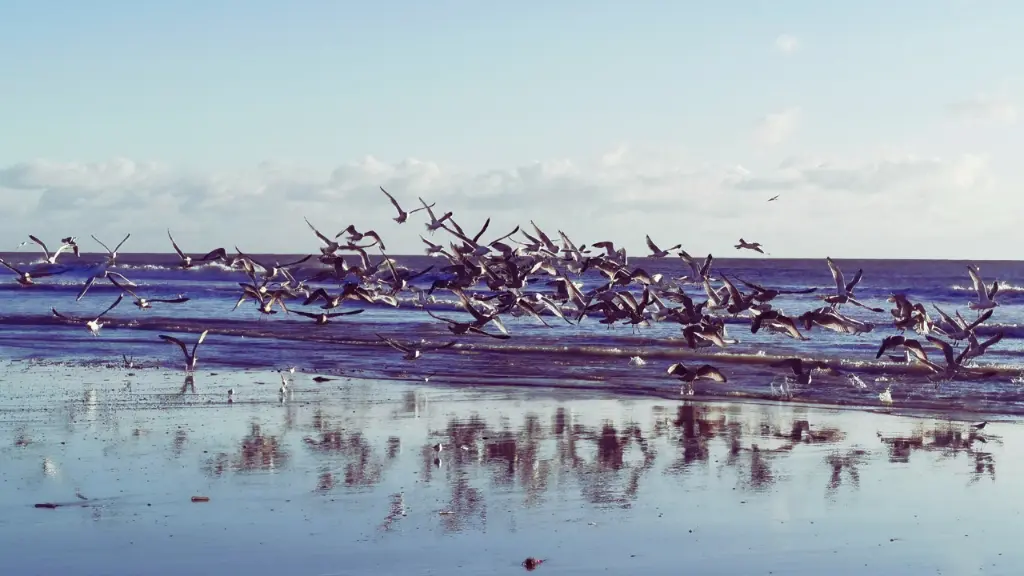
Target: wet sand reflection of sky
586 483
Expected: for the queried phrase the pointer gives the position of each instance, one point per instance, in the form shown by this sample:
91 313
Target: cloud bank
842 208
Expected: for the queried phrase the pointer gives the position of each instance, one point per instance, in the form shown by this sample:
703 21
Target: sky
888 129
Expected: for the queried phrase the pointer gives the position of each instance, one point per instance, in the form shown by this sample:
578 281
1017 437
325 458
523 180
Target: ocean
588 356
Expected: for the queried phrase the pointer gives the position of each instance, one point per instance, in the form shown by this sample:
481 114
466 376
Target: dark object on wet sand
321 379
200 498
532 563
49 505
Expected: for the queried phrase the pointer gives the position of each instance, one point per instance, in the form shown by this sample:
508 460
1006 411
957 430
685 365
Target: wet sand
342 478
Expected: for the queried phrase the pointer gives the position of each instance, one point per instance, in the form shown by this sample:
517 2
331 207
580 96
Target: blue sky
615 114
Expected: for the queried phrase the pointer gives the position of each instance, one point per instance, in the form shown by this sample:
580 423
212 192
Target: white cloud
618 196
787 44
776 128
998 108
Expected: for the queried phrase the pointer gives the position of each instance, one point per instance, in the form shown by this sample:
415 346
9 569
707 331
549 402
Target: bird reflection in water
606 461
256 453
189 385
362 466
840 463
948 439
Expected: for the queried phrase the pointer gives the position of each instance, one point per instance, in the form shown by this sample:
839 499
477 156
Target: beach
343 477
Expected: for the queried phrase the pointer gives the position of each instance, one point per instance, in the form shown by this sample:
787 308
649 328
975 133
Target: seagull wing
199 341
180 344
837 275
650 244
947 350
979 284
9 267
709 372
41 245
175 244
393 201
396 345
100 242
794 364
121 243
112 306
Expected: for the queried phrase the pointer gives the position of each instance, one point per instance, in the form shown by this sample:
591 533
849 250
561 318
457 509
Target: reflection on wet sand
608 462
390 463
257 452
948 440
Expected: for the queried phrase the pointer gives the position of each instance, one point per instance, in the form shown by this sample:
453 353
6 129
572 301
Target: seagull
885 396
26 278
190 357
93 325
755 246
698 272
687 376
104 273
330 246
324 317
774 198
112 253
844 289
435 222
67 244
958 328
985 294
658 252
145 303
801 376
187 261
413 351
402 214
912 346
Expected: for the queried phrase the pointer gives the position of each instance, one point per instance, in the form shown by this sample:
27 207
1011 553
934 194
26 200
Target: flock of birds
507 266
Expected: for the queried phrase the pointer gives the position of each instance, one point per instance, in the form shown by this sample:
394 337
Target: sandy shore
342 478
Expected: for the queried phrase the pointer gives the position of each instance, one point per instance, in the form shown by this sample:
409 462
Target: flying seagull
145 303
402 214
93 325
25 277
985 294
112 253
188 262
413 351
67 244
755 246
658 252
190 356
